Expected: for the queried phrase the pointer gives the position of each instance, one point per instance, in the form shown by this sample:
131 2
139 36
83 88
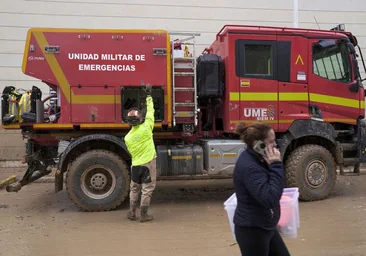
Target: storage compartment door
93 104
133 96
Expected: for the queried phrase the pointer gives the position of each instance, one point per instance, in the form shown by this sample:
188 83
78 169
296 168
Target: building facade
205 17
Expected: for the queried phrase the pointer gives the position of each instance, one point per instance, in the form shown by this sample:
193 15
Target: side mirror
351 48
355 86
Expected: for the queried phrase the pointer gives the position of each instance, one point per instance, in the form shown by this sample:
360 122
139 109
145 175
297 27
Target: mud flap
59 181
362 140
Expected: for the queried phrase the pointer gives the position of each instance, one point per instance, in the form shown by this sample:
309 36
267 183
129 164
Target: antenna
316 22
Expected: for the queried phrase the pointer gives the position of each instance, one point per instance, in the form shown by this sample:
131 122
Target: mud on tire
98 180
312 169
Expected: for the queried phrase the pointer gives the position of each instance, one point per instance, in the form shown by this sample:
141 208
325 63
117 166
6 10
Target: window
263 59
258 59
331 61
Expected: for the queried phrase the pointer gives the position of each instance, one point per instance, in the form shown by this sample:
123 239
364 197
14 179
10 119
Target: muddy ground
189 220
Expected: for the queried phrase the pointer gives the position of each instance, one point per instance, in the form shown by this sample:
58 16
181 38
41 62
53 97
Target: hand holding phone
272 155
260 147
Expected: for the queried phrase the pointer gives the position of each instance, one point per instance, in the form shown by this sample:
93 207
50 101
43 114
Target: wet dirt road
189 220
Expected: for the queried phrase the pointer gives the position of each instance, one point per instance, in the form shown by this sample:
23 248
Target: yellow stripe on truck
291 96
268 96
340 120
181 157
229 154
334 100
54 65
296 96
264 121
253 96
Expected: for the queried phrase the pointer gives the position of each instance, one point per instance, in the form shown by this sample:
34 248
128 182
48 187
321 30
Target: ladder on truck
184 112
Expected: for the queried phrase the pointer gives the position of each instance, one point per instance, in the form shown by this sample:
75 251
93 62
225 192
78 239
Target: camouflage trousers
143 177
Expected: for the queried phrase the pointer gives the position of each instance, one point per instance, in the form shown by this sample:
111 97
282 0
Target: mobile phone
259 147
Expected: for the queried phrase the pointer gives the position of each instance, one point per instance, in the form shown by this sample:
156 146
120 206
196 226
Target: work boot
144 216
132 213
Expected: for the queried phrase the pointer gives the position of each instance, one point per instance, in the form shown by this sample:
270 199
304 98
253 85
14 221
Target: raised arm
149 118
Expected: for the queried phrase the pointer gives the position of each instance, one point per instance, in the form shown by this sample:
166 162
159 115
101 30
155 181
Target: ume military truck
305 83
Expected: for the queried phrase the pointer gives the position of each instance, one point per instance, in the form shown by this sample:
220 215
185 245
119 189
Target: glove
148 90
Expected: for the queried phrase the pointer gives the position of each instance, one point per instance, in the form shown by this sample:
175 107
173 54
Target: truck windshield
331 61
363 62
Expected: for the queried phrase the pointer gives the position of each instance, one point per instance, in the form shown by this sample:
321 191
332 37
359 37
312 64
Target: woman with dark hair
258 184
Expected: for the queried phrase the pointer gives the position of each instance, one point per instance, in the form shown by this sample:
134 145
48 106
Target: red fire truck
305 83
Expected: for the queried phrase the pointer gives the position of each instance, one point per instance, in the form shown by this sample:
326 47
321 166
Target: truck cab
306 84
279 75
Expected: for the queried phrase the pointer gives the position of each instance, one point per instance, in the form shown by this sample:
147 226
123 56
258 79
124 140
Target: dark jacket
258 187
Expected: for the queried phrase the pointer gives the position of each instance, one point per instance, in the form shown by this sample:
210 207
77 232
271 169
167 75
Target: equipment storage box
179 160
221 155
290 219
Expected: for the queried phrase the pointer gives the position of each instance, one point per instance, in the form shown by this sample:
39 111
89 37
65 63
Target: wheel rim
98 182
316 174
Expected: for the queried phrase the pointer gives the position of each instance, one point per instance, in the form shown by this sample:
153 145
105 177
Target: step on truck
305 83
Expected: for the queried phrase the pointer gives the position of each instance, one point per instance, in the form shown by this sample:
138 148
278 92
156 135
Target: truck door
256 69
330 80
292 80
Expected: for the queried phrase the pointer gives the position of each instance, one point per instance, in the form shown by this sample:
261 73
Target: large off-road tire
312 169
98 180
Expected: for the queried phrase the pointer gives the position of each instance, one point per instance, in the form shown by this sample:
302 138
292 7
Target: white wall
204 16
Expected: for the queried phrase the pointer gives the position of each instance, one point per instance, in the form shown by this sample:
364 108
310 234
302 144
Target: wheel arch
311 139
90 142
303 132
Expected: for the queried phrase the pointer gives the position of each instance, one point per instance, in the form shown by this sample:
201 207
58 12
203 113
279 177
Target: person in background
140 144
258 184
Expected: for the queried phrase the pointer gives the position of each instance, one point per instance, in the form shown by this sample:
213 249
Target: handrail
184 33
273 27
